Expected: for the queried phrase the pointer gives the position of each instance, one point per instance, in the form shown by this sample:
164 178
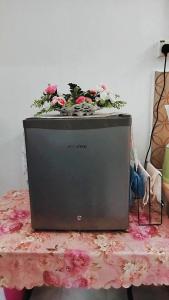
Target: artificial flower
93 91
51 89
80 100
92 99
54 101
60 100
89 100
104 95
104 87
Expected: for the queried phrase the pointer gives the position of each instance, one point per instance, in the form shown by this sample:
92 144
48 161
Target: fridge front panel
79 179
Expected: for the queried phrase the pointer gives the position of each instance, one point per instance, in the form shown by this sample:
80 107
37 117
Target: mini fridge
78 172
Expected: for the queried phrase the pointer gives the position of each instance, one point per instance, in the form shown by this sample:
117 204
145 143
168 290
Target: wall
83 41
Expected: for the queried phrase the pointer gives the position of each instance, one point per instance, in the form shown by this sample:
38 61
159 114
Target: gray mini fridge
78 172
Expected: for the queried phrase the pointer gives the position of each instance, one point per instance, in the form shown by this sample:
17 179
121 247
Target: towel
155 181
146 178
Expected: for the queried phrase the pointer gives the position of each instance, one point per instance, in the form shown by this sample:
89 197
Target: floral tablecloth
72 259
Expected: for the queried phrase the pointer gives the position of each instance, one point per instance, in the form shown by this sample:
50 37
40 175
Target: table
74 259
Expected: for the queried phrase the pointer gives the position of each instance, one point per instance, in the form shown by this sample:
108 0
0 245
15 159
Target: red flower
80 100
153 230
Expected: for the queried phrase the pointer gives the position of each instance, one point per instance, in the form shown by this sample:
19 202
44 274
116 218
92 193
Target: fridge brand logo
79 146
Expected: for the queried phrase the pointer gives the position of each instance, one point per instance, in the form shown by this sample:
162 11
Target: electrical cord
157 110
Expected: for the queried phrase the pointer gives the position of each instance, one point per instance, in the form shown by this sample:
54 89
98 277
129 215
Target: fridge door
78 179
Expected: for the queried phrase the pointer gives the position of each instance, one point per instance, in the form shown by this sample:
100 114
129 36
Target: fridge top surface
87 122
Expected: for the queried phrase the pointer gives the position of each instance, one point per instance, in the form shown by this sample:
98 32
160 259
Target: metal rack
149 206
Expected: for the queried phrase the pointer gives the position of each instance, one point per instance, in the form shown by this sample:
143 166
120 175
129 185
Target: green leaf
75 91
70 102
44 110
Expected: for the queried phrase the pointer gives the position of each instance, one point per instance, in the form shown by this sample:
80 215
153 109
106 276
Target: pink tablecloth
72 259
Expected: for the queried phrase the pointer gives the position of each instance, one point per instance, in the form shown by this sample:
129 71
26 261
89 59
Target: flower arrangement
77 101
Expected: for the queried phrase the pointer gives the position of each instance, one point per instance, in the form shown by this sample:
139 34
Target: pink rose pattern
10 228
17 215
74 259
50 278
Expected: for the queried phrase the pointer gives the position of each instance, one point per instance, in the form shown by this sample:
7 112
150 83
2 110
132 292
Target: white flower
102 242
112 97
99 89
133 269
60 95
97 99
104 95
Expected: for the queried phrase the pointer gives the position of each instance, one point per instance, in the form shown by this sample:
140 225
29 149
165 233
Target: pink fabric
74 259
13 294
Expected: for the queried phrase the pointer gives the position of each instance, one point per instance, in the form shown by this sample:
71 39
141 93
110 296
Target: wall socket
160 45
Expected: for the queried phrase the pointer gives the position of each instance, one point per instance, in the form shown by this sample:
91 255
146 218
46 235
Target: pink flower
50 278
51 89
76 261
61 101
142 233
89 100
80 100
138 233
104 86
10 228
93 91
54 101
140 236
19 214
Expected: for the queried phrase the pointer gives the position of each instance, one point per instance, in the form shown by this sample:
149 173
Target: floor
141 293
